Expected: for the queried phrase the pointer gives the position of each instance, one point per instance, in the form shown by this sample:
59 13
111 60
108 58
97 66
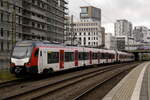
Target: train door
90 57
61 61
35 58
40 61
76 58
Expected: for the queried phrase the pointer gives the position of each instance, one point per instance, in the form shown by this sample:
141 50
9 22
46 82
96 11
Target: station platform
134 86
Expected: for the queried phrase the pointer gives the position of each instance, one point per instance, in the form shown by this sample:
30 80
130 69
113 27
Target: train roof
38 43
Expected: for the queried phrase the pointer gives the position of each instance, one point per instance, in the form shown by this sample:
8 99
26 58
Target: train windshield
22 52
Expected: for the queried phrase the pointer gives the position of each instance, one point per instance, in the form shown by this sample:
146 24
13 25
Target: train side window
81 56
52 57
36 53
102 56
40 53
85 55
69 56
94 56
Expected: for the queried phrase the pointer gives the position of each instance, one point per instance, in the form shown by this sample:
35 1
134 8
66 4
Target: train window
40 53
52 57
85 55
94 56
109 56
81 56
112 56
36 53
100 55
69 56
104 56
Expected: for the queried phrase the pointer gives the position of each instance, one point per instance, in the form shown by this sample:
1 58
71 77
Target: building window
19 20
33 24
8 34
84 10
8 17
14 7
42 16
2 32
19 10
79 33
33 14
80 39
89 38
43 26
38 3
1 16
33 1
2 4
43 5
19 35
2 46
84 39
84 33
38 25
8 45
7 5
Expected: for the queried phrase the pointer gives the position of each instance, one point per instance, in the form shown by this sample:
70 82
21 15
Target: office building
140 34
88 30
123 28
31 19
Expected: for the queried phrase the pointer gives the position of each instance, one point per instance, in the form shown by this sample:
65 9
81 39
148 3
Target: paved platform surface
135 86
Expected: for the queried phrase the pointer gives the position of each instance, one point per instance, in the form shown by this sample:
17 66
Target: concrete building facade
31 19
110 41
141 33
88 34
88 30
125 43
148 36
123 28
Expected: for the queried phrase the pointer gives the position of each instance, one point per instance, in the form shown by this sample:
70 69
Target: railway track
50 88
9 83
23 81
85 95
78 94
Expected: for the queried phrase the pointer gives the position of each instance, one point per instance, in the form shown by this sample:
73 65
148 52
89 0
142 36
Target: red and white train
43 57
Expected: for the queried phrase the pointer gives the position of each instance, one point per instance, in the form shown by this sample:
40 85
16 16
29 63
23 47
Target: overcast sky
136 11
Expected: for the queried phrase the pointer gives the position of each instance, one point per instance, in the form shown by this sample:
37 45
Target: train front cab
24 64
